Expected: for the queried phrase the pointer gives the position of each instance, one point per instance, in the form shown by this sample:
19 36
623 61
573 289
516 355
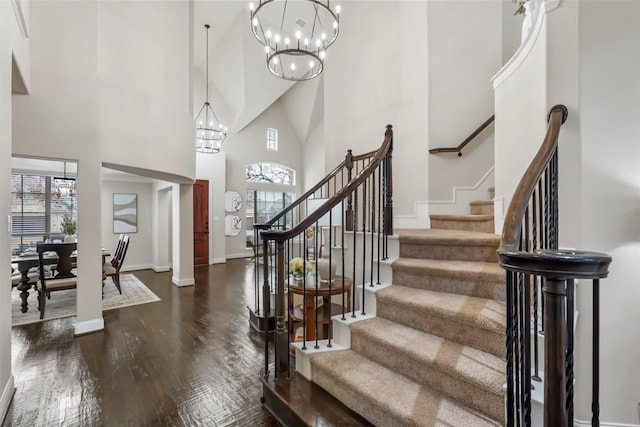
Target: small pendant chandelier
295 34
210 133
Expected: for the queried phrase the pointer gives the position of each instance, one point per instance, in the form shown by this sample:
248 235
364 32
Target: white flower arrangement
297 266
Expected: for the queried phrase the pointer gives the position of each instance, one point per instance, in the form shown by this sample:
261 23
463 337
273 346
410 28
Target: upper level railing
467 140
349 226
536 269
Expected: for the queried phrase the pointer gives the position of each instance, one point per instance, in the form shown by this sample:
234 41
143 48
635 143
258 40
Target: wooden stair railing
334 181
464 143
535 266
367 197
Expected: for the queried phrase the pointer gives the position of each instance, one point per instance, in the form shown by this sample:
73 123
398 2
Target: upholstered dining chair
63 278
113 270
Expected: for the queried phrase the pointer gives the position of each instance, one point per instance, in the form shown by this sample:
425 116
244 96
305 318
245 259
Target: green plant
68 225
520 3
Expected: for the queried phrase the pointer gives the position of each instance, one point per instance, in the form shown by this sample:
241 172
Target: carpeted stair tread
477 279
467 320
450 245
450 237
463 373
480 271
386 398
470 218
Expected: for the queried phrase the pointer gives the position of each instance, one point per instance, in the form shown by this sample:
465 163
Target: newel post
348 161
555 345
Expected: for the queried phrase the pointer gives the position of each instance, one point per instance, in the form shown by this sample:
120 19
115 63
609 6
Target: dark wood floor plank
189 359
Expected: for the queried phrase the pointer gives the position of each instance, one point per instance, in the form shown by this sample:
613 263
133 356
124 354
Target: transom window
270 173
272 139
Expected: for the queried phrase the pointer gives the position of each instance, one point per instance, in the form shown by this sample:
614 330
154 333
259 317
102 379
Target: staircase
434 353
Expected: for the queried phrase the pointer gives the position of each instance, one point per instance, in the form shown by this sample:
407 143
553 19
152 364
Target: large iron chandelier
295 34
210 133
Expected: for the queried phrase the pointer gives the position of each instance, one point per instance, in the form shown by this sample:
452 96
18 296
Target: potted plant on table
68 228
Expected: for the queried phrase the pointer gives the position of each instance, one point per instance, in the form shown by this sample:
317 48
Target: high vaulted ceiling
240 86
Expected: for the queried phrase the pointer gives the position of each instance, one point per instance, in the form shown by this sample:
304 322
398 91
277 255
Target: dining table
28 260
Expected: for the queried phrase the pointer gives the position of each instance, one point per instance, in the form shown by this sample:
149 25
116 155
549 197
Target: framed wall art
125 213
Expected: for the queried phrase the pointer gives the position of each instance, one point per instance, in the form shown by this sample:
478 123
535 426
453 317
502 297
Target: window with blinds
37 206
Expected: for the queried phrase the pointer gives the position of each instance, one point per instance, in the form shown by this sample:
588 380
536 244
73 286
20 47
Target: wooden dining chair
113 270
63 278
116 254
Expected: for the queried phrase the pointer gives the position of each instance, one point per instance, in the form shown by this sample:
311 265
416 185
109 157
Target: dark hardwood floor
189 359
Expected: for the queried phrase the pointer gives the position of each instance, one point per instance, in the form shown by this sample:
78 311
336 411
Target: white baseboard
88 326
579 423
7 395
190 281
247 254
137 267
217 261
160 268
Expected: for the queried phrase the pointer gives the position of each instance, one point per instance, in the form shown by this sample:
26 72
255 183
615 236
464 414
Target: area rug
63 303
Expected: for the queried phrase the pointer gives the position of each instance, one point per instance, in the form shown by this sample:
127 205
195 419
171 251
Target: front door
201 222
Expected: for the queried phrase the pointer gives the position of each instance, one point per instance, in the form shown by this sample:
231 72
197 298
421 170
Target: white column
161 227
89 292
182 213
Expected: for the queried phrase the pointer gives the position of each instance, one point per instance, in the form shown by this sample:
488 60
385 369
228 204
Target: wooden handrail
515 213
464 143
380 154
534 264
348 162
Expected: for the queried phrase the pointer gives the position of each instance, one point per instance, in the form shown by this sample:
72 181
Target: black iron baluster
267 308
554 199
379 218
343 260
372 225
519 351
510 332
534 230
569 360
330 326
304 290
256 276
595 398
317 282
353 279
364 242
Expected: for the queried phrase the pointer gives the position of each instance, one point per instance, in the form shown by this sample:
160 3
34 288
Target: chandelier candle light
295 34
210 133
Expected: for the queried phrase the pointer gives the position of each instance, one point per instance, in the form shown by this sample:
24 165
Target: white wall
91 111
139 254
586 56
376 74
13 46
465 51
610 187
249 146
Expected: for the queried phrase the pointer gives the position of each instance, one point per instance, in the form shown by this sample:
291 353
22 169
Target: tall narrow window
272 139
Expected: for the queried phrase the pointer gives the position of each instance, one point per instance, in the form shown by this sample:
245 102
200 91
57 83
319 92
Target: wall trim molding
88 326
160 268
420 216
217 261
22 24
525 48
7 395
454 192
189 281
